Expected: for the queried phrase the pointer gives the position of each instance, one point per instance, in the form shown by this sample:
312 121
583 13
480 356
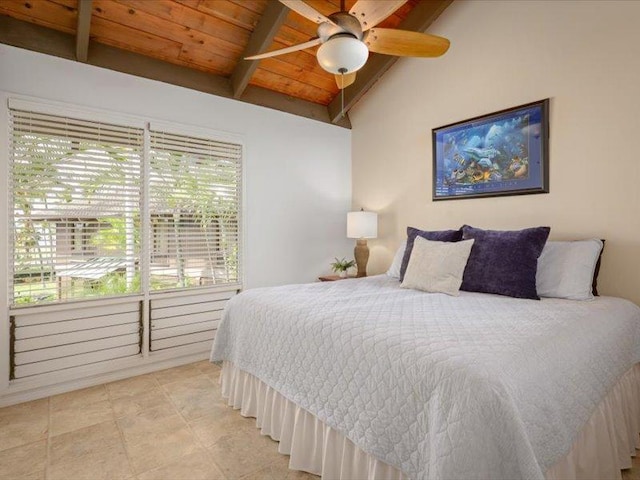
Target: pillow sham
437 267
437 236
394 269
504 262
567 269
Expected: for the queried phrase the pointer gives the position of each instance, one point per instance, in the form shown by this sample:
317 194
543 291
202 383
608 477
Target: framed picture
504 153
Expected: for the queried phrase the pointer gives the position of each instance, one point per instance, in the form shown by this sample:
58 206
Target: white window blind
194 203
75 223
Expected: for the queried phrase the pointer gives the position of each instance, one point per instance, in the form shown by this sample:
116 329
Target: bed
387 382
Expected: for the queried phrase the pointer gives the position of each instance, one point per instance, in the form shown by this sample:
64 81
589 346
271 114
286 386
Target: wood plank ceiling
206 35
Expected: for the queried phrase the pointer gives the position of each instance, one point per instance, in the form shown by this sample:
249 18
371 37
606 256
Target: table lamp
362 225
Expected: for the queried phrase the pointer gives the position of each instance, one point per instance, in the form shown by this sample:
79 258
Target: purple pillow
412 233
504 262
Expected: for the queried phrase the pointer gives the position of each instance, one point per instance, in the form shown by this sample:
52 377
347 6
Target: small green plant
342 265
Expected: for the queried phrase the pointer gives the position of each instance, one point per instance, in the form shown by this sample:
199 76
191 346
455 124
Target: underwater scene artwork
504 153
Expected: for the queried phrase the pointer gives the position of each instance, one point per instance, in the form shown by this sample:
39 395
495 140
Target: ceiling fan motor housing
343 22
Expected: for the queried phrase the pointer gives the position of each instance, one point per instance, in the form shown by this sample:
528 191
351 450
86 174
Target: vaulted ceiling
201 44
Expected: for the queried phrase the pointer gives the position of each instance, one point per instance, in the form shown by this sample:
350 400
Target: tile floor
167 425
631 474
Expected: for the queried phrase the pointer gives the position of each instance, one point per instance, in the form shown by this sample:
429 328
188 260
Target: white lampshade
362 224
342 54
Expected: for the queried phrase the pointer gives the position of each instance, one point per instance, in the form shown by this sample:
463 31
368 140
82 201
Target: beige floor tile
177 373
75 418
36 407
631 474
133 404
242 453
31 476
79 398
220 422
214 376
159 420
26 461
206 366
161 448
24 423
105 463
278 472
197 466
85 441
194 397
91 453
132 386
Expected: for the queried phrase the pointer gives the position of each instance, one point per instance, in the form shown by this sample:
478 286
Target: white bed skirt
604 446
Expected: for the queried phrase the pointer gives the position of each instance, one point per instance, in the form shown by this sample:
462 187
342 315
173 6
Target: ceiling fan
346 38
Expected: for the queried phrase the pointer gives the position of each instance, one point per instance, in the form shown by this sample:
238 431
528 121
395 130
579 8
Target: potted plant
341 266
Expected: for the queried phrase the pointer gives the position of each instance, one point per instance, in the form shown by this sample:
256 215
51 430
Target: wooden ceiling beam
82 30
52 42
261 39
418 20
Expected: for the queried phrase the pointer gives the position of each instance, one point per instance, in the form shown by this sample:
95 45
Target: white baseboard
18 394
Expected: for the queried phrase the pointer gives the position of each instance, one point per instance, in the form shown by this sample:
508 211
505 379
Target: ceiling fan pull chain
342 70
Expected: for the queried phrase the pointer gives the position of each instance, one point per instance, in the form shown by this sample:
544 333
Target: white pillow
437 267
566 269
394 269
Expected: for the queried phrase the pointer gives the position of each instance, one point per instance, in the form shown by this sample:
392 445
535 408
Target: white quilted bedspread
478 386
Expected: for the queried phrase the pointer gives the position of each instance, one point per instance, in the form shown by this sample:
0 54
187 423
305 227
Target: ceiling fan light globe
342 54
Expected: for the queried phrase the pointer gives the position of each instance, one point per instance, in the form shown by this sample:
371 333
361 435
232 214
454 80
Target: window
76 208
101 210
194 191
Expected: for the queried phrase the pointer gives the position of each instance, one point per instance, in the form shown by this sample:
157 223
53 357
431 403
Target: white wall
585 56
298 171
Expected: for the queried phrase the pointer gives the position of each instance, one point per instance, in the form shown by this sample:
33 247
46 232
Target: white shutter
42 343
75 223
194 204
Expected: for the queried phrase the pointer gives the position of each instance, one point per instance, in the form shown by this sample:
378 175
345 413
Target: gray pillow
567 269
394 269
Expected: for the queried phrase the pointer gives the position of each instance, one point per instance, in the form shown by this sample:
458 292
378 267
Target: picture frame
502 153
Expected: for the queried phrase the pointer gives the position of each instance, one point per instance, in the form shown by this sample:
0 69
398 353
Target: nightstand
333 278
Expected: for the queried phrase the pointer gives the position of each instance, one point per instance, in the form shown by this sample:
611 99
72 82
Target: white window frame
148 361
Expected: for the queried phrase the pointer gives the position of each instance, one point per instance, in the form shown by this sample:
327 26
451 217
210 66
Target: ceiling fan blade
372 12
343 81
405 43
282 51
306 11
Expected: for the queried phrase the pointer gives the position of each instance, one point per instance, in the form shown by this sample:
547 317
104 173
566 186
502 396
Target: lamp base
361 254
